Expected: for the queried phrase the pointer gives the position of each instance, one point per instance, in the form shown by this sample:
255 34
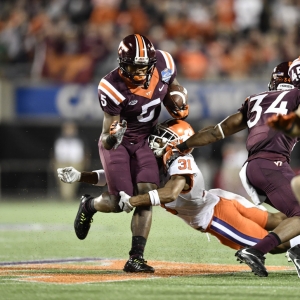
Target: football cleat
137 264
83 219
293 255
254 259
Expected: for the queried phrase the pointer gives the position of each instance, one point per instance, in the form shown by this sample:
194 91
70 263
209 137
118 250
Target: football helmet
280 79
136 50
294 72
170 133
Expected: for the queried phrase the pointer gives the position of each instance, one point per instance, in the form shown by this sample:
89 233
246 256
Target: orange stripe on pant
245 222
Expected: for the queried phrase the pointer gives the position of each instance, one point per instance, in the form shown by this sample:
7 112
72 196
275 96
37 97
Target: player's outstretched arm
211 134
155 197
71 175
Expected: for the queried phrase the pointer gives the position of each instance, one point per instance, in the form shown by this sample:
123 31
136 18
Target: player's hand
282 122
68 174
124 202
117 130
181 113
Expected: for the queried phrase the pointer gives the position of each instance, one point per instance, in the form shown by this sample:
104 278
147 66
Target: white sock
295 241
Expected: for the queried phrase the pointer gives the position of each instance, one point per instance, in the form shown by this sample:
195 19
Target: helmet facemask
135 77
169 134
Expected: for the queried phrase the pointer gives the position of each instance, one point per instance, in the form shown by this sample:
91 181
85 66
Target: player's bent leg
107 203
274 219
88 207
84 217
282 248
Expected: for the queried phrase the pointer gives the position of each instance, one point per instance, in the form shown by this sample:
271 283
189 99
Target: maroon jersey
263 141
139 107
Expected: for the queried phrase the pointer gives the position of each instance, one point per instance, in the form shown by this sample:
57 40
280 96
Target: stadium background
53 54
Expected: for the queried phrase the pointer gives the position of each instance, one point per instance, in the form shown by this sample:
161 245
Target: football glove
283 123
179 114
117 130
124 202
68 174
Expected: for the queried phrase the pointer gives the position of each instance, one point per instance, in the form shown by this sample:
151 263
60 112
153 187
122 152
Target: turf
33 230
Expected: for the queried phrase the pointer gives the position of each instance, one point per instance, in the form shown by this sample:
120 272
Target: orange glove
283 123
179 114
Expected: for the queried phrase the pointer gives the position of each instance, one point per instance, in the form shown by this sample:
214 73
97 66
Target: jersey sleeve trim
112 92
169 60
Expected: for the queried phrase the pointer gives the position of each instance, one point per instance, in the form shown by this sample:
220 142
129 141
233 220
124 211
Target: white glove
117 130
68 174
124 202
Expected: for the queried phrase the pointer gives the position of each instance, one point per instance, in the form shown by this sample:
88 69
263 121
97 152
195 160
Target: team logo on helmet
280 79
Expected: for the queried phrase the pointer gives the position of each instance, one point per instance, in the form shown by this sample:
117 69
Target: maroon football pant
275 182
128 165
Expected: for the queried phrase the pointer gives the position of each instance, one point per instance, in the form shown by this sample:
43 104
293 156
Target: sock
295 241
268 243
137 246
89 206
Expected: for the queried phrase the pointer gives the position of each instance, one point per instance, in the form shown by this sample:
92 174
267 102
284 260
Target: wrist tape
101 178
154 198
221 131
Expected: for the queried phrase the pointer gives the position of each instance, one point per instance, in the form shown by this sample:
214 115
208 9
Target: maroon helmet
280 79
137 50
294 72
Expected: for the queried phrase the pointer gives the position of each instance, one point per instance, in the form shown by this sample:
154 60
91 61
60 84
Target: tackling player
130 97
235 221
267 171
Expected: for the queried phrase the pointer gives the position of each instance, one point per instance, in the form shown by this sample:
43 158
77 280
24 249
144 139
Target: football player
267 171
130 97
232 219
290 124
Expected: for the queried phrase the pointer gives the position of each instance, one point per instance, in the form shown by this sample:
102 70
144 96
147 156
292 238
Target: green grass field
33 230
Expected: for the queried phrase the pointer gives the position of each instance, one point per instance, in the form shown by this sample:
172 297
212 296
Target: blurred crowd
77 40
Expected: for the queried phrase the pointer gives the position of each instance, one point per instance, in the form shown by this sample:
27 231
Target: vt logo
278 163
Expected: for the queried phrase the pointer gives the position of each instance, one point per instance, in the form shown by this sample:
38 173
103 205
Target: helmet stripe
140 46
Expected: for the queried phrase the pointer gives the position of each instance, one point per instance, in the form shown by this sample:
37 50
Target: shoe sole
138 271
257 271
290 259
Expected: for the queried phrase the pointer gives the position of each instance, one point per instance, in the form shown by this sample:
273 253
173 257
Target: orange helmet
170 133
